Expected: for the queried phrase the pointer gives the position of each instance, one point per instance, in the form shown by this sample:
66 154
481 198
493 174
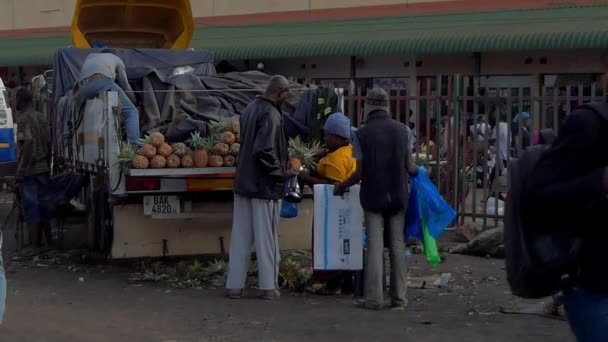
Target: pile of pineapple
219 149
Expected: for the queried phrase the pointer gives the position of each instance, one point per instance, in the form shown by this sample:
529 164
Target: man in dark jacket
258 188
572 178
384 161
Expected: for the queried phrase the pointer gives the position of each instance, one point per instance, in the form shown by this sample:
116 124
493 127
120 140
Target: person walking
384 162
33 168
258 188
568 192
103 72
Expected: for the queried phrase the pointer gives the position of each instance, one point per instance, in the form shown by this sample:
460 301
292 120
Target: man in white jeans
258 189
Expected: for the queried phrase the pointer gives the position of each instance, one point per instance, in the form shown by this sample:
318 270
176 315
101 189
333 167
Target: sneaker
270 294
235 293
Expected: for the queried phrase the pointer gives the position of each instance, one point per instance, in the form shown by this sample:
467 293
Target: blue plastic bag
426 204
288 209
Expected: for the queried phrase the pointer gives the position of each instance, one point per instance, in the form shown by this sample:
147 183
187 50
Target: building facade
348 43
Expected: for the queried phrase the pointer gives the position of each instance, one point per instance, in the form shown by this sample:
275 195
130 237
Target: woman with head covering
337 166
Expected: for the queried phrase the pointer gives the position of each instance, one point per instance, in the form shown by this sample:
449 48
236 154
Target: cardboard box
338 229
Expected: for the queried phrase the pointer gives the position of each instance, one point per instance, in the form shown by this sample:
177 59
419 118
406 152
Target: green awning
561 27
551 28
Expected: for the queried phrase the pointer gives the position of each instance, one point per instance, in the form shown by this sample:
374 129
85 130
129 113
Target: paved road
97 303
54 304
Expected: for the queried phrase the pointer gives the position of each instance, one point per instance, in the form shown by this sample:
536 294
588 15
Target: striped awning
565 27
557 27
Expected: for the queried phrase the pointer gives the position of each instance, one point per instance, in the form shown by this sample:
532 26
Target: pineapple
235 149
221 149
217 128
158 162
125 153
187 161
139 162
173 161
228 138
147 150
180 149
234 126
216 161
200 146
128 157
165 150
229 161
156 139
302 154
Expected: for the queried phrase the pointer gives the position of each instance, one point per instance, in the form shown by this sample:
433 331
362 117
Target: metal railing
467 135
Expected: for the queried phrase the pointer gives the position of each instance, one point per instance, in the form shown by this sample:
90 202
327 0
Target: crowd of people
571 178
353 157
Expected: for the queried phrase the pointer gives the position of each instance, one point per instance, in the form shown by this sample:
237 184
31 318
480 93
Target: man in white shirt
481 130
502 143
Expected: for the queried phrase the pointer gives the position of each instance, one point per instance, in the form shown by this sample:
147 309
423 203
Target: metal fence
466 135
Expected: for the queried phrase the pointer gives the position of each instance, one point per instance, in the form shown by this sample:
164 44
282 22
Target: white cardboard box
338 229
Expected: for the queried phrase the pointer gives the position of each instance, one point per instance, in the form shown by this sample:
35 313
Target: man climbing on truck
103 72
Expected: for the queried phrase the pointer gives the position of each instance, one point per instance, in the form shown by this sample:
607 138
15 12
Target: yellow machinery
159 24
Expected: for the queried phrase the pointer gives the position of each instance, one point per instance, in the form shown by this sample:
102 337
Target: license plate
154 205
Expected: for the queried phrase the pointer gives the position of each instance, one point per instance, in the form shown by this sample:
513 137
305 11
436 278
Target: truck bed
207 172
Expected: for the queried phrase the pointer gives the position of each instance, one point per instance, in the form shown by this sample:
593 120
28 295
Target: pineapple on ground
127 156
200 146
173 161
158 162
179 149
187 161
302 154
216 161
165 150
229 161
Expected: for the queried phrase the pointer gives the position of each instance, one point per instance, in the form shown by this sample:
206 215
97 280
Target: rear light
143 184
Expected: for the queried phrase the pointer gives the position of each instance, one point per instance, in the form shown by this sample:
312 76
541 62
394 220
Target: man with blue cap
339 163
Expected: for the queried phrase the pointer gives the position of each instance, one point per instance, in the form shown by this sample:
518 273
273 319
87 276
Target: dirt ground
76 302
97 303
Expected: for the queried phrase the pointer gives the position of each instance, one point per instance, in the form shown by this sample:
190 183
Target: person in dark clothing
572 178
258 188
33 167
384 161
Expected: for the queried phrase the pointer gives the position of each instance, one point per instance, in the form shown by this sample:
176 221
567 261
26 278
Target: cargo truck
149 212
